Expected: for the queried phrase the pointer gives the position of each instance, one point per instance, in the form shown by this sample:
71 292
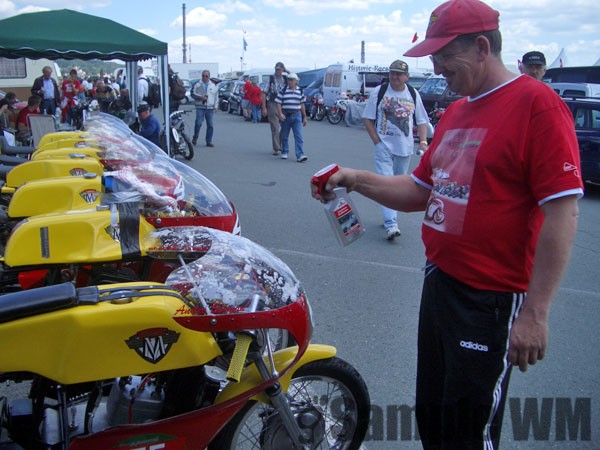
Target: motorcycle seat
19 305
7 149
8 160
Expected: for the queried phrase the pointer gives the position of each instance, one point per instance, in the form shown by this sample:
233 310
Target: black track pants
462 370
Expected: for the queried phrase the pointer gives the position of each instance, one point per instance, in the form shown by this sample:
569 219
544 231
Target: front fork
247 377
282 405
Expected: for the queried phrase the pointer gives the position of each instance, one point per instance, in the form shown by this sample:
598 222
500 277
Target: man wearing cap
389 122
290 107
499 188
533 64
269 107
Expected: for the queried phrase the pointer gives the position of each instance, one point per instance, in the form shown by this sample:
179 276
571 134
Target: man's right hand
342 178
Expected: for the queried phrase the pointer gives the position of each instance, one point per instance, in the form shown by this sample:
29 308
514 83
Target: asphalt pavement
365 296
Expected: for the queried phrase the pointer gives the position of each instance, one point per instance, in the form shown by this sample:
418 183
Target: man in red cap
499 186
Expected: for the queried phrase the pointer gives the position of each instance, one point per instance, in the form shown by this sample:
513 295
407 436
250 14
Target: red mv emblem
90 196
153 344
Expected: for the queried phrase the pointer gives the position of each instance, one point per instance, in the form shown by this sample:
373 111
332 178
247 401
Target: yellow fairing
54 168
87 343
283 358
61 136
76 237
55 195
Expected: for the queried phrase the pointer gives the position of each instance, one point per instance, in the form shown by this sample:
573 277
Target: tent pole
163 70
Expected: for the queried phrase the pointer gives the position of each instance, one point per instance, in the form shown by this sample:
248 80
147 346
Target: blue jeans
202 113
256 113
388 164
292 121
48 105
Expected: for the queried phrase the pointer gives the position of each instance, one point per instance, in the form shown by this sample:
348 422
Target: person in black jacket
47 89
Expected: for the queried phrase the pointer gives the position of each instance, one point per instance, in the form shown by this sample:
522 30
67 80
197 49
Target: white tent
560 61
597 63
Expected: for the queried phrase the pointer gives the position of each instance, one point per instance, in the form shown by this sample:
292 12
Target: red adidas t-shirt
493 161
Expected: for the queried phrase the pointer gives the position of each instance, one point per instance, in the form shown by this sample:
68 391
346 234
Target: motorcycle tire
329 389
334 116
186 147
313 113
320 114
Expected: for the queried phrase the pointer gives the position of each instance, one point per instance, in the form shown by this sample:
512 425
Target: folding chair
40 125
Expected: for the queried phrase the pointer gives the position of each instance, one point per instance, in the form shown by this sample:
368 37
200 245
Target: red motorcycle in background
318 110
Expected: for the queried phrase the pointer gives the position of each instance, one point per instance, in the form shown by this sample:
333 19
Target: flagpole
244 44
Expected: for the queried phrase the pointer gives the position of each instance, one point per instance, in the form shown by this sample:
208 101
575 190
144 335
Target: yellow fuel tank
56 195
68 152
132 335
77 237
50 138
52 168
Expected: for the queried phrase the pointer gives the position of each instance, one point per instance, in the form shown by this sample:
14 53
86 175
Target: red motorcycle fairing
174 433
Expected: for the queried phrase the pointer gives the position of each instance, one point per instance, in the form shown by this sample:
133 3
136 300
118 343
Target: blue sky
316 33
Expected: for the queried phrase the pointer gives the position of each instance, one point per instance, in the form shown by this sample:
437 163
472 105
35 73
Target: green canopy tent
67 34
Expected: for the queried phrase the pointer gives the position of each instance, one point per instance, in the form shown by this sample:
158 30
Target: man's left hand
528 340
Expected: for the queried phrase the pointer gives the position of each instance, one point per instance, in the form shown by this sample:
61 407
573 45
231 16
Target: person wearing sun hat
499 187
533 64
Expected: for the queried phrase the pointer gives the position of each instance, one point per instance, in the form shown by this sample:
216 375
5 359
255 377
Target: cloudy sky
316 33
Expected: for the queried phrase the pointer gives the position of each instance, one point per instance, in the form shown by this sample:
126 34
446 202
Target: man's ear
483 47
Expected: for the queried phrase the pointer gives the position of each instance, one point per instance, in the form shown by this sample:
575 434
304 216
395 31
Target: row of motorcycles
137 316
335 113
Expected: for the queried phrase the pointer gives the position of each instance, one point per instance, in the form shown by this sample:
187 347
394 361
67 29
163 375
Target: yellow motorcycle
184 365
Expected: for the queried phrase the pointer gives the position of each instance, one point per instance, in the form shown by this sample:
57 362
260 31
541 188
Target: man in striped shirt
290 106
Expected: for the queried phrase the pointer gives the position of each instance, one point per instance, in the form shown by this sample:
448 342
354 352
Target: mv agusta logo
89 195
153 344
77 172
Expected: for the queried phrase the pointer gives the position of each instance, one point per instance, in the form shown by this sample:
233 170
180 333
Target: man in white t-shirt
389 122
142 86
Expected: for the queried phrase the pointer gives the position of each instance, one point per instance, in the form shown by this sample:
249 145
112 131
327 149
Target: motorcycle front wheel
334 116
320 114
329 400
186 148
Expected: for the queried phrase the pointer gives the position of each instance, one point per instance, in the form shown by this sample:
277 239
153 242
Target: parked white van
347 78
576 89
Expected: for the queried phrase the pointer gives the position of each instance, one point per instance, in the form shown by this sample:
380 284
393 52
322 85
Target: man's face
144 115
459 66
398 80
47 73
205 76
278 71
536 71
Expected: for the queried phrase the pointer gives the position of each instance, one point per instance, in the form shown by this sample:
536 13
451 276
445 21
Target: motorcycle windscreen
172 194
233 275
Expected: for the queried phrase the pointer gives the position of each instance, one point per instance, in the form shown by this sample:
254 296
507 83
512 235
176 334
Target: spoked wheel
334 116
320 114
186 148
329 400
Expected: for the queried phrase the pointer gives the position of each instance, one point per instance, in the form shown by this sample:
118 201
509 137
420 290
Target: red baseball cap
452 19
